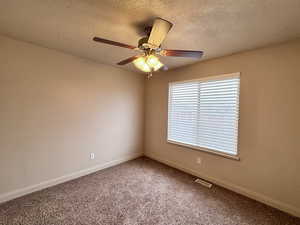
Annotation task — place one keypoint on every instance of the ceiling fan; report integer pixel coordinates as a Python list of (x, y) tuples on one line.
[(150, 48)]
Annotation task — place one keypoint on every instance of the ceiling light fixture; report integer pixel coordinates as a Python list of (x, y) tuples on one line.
[(148, 63), (141, 64), (154, 62)]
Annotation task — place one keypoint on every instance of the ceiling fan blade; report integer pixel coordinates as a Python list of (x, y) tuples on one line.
[(159, 31), (105, 41), (182, 53), (128, 60)]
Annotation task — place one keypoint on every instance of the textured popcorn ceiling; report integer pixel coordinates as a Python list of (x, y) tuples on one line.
[(219, 27)]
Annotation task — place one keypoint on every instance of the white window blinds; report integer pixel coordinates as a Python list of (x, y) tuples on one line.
[(204, 113)]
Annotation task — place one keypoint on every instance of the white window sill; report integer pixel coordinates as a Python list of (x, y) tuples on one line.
[(229, 156)]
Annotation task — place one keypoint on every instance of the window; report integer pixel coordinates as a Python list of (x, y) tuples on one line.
[(203, 114)]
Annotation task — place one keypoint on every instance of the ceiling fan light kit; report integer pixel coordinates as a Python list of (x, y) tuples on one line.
[(141, 64), (147, 63), (150, 47)]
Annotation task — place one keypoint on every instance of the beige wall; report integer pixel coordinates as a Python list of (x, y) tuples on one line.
[(55, 109), (269, 134)]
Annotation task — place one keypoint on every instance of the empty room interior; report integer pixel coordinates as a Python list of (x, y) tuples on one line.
[(149, 112)]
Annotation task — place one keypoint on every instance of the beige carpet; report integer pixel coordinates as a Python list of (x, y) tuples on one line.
[(138, 192)]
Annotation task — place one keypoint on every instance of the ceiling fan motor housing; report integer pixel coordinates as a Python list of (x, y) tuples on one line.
[(142, 43)]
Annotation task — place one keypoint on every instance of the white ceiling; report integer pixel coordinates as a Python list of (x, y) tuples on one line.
[(218, 27)]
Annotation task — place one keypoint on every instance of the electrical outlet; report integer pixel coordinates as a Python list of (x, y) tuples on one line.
[(92, 155), (199, 160), (203, 183)]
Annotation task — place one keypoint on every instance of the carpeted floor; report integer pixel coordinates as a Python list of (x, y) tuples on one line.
[(138, 192)]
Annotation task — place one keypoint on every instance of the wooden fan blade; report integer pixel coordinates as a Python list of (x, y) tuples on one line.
[(105, 41), (128, 60), (182, 53), (159, 31)]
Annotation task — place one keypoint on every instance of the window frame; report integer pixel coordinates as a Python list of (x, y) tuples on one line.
[(203, 149)]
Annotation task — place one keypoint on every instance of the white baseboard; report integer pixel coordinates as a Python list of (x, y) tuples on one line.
[(238, 189), (36, 187)]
